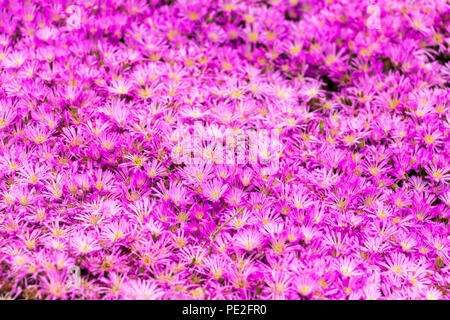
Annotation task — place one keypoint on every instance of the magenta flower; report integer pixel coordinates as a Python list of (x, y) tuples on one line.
[(227, 149)]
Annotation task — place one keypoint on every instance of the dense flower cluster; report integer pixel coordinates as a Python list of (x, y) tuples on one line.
[(128, 171)]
